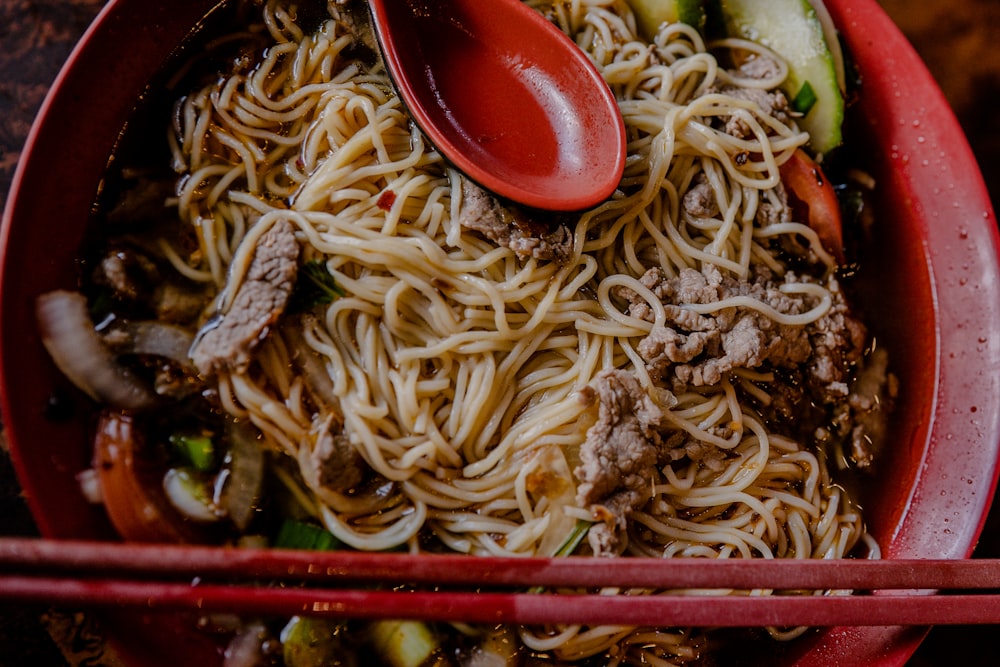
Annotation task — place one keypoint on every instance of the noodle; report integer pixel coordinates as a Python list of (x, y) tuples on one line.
[(463, 372)]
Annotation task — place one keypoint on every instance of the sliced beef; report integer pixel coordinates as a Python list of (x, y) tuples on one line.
[(512, 228), (129, 274), (340, 467), (228, 342), (619, 457)]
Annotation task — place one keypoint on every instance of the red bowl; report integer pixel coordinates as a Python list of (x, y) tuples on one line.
[(933, 297)]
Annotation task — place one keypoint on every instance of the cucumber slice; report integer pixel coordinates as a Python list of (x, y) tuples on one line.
[(651, 14), (792, 29)]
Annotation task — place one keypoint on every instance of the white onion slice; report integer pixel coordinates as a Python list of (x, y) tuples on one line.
[(159, 339), (240, 494), (184, 493), (68, 335), (246, 647)]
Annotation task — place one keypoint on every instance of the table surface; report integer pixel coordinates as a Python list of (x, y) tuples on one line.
[(955, 37)]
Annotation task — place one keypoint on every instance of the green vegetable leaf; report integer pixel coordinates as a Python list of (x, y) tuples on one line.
[(315, 287), (301, 535), (805, 99), (196, 449)]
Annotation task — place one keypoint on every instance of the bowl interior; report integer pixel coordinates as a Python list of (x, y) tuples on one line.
[(932, 293)]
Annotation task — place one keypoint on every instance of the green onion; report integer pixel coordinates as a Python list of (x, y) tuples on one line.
[(574, 539), (308, 642), (403, 643), (805, 98), (580, 531), (301, 535), (197, 450)]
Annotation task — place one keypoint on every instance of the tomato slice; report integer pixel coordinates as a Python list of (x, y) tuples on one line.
[(815, 201), (131, 486)]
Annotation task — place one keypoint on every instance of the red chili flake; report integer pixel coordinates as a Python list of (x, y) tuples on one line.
[(386, 200)]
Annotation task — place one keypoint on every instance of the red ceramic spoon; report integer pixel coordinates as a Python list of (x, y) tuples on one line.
[(506, 97)]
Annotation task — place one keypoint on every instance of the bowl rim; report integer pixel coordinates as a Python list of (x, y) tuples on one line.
[(868, 31)]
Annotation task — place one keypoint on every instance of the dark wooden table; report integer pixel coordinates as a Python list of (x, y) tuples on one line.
[(957, 38)]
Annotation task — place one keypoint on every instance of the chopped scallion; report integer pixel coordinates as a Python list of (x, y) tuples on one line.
[(301, 535), (403, 643), (580, 531), (308, 642), (805, 99), (574, 539), (197, 450)]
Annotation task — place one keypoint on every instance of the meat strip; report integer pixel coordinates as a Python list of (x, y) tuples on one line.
[(228, 342), (482, 212), (340, 467)]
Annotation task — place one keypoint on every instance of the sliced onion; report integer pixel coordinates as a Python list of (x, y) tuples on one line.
[(158, 339), (187, 495), (90, 486), (308, 363), (241, 488), (246, 649), (68, 334)]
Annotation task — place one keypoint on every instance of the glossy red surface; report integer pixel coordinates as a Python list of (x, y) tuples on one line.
[(507, 98), (934, 298)]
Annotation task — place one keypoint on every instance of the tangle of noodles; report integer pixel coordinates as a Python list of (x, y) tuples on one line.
[(459, 369)]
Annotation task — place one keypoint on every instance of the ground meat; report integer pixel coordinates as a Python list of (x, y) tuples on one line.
[(759, 67), (227, 343), (775, 211), (838, 340), (690, 349), (769, 102), (619, 457), (483, 213), (871, 398), (699, 201), (860, 423)]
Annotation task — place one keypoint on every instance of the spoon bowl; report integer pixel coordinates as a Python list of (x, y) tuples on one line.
[(505, 96)]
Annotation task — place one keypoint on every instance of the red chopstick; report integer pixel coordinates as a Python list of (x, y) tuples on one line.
[(79, 558), (356, 585), (523, 608)]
